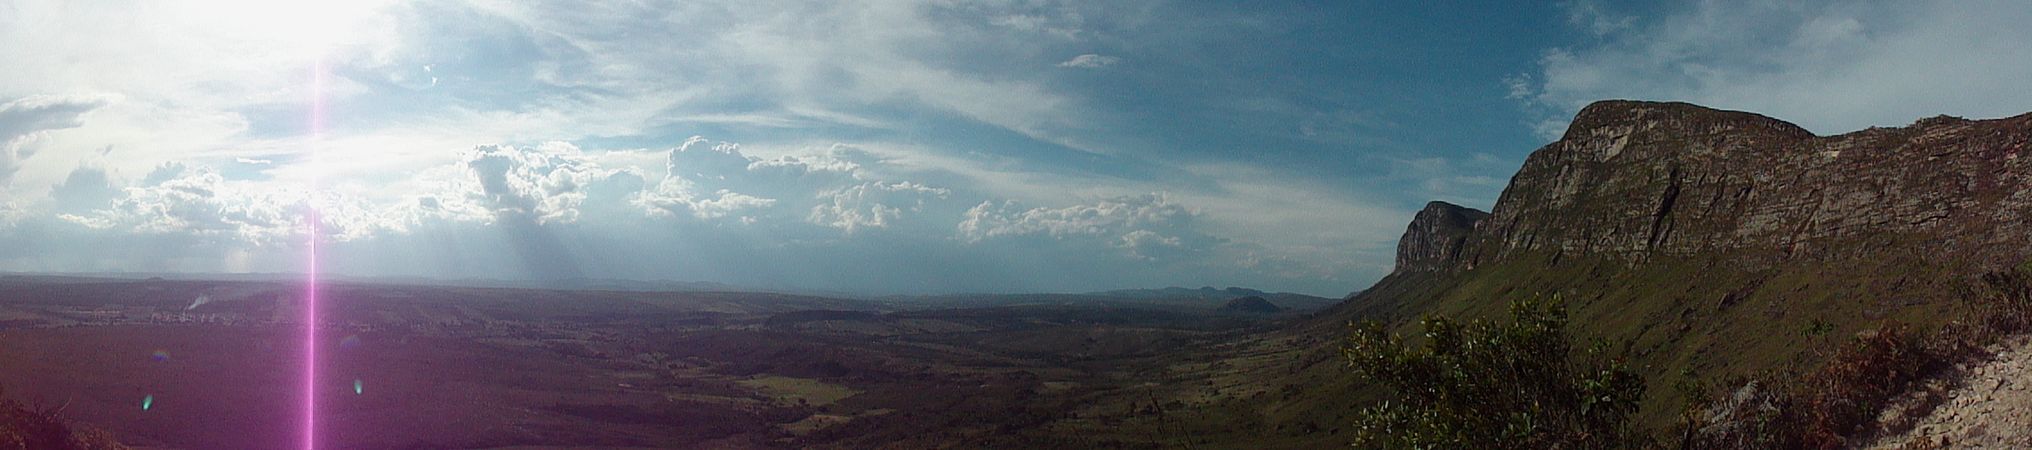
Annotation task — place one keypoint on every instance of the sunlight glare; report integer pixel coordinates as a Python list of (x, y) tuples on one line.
[(301, 27)]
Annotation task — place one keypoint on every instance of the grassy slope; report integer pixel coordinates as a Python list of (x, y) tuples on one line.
[(1708, 317), (1715, 318)]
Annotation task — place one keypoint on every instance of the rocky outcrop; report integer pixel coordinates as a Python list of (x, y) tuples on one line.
[(1987, 405), (1636, 180), (1436, 237)]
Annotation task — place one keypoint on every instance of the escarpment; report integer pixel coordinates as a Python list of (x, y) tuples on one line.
[(1637, 180)]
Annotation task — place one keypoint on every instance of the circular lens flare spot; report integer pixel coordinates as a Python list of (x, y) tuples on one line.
[(350, 342), (147, 402), (160, 355), (356, 386)]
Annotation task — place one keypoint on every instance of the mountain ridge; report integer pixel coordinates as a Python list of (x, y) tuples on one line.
[(1715, 244), (1633, 180)]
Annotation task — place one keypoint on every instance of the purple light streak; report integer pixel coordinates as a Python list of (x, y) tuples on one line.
[(310, 298)]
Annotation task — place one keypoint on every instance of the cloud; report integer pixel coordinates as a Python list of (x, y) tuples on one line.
[(525, 140), (1151, 245), (198, 202), (826, 62), (1596, 19), (1090, 61), (1109, 216), (24, 119), (1147, 227), (706, 180), (1832, 67), (696, 182), (872, 204), (85, 189), (544, 183)]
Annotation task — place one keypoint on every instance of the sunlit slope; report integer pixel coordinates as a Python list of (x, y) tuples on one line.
[(1710, 244)]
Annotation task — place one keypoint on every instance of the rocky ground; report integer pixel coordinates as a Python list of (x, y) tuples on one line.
[(1987, 405)]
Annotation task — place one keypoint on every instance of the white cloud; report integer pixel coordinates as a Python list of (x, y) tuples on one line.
[(872, 204), (678, 196), (832, 188), (1090, 61), (544, 183), (23, 120), (1596, 19), (811, 63), (1149, 245), (456, 128), (1832, 67), (87, 187), (198, 202), (1112, 217)]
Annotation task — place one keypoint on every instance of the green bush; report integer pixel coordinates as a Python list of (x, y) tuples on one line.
[(1487, 385)]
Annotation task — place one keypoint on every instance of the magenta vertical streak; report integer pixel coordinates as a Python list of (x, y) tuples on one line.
[(310, 297)]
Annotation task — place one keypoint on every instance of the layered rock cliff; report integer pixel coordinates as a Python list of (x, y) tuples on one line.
[(1635, 180)]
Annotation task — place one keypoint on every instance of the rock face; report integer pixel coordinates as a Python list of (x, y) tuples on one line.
[(1634, 180), (1251, 305), (1436, 237)]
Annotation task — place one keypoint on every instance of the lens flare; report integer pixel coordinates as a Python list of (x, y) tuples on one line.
[(147, 402), (356, 386), (160, 355), (310, 297)]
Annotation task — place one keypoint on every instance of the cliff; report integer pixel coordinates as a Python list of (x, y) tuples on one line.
[(1717, 244), (1436, 236), (1636, 180)]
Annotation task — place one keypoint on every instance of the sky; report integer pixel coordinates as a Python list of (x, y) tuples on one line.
[(890, 147)]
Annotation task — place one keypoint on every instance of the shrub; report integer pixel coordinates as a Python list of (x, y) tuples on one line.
[(1486, 385), (22, 428)]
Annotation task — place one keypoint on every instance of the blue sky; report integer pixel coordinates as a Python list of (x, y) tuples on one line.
[(880, 147)]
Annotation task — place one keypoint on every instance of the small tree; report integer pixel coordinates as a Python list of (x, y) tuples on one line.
[(1486, 385)]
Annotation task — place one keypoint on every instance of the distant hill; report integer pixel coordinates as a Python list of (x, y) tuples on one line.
[(1251, 305), (1206, 299), (1216, 297)]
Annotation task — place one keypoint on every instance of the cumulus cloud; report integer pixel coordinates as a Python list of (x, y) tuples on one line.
[(554, 211), (694, 180), (197, 201), (1832, 67), (86, 188), (1145, 226), (946, 106), (706, 180), (1090, 61), (198, 204), (543, 183), (1115, 215), (871, 204)]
